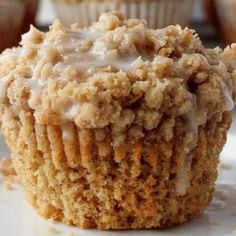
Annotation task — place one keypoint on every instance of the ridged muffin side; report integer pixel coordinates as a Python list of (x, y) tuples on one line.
[(87, 182)]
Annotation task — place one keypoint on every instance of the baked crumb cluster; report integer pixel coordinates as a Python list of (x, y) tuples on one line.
[(6, 167), (117, 70), (8, 175)]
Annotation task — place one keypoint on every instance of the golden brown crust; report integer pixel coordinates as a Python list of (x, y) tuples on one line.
[(6, 167)]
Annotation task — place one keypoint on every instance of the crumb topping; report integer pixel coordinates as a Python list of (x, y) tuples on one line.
[(117, 72), (121, 74)]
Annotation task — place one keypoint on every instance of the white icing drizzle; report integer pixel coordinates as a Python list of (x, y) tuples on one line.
[(70, 112), (67, 131), (183, 178), (90, 60), (75, 40), (88, 35), (4, 82), (96, 57), (35, 86), (84, 60), (192, 125), (229, 103)]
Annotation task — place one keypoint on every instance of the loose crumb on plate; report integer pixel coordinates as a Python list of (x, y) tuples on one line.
[(52, 230), (8, 172), (70, 234), (7, 185), (221, 166), (6, 167)]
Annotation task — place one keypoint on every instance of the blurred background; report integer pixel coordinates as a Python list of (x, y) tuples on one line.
[(214, 20)]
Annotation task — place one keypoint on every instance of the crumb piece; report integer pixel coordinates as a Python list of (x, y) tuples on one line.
[(13, 179), (221, 166), (7, 185), (52, 230), (6, 167), (8, 181), (8, 172), (70, 234)]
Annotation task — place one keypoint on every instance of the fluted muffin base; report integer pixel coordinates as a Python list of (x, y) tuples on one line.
[(85, 180)]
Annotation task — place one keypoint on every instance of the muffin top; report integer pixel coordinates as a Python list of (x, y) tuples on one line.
[(117, 72)]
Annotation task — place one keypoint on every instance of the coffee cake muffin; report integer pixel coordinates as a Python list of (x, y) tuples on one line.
[(31, 7), (117, 126), (158, 13), (226, 13), (11, 22)]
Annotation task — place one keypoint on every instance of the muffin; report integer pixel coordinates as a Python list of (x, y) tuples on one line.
[(117, 126), (158, 13), (30, 13), (226, 13), (10, 27), (210, 10)]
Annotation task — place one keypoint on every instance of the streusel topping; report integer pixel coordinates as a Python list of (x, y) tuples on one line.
[(95, 75)]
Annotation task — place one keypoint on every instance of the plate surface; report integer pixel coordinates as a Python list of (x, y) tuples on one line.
[(17, 218)]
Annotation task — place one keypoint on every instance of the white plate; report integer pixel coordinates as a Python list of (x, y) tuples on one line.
[(17, 218)]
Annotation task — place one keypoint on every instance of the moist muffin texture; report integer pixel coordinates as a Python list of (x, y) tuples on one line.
[(117, 126)]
